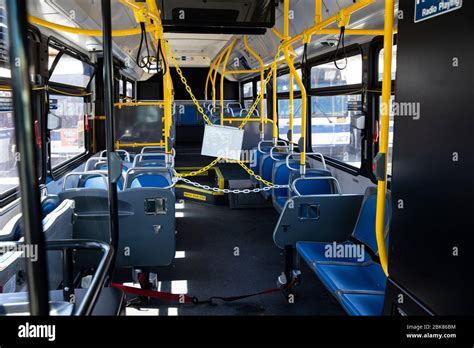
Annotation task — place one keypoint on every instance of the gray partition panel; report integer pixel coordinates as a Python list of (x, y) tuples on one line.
[(318, 218)]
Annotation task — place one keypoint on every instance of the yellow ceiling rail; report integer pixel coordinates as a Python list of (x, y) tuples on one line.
[(86, 32), (208, 78), (331, 20), (250, 71)]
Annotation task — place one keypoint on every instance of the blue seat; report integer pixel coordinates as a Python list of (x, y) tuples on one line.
[(48, 204), (313, 187), (352, 277), (364, 231), (92, 181), (150, 181), (359, 285), (148, 177), (266, 168), (368, 304), (315, 253), (255, 165), (281, 176)]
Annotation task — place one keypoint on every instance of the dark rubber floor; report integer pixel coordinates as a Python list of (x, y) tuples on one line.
[(231, 252)]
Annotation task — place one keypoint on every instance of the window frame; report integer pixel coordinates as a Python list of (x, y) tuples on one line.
[(352, 50), (65, 167), (375, 92), (35, 42)]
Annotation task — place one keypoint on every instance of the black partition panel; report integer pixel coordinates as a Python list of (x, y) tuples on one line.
[(138, 124), (432, 232)]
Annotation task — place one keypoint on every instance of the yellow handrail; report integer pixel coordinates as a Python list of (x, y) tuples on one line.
[(224, 65), (275, 109), (384, 132), (86, 32), (262, 78), (119, 105)]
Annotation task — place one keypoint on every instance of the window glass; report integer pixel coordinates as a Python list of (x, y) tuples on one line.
[(328, 75), (248, 90), (333, 127), (52, 54), (284, 119), (390, 134), (283, 83), (394, 63), (248, 103), (68, 141), (8, 159), (71, 71), (129, 91)]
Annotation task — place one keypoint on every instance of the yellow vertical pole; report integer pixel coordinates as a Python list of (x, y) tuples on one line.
[(286, 19), (275, 107), (209, 77), (214, 96), (167, 82), (292, 109), (262, 91), (318, 11), (384, 132), (224, 65)]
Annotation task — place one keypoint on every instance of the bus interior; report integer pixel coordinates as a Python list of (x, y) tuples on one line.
[(236, 157)]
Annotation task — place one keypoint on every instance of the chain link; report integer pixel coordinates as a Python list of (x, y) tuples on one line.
[(235, 191), (242, 125)]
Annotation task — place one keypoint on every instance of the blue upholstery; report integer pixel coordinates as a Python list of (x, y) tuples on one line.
[(97, 182), (315, 187), (266, 168), (151, 163), (362, 304), (94, 182), (316, 252), (48, 204), (154, 180), (281, 176), (352, 277), (344, 275)]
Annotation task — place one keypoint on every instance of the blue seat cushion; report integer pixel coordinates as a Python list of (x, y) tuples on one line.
[(150, 181), (362, 304), (317, 252), (95, 182), (352, 277), (315, 187), (281, 201), (48, 204)]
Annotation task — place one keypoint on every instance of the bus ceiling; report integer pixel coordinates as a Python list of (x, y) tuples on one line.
[(194, 38)]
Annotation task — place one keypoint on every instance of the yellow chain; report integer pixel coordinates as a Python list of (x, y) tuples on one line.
[(261, 95), (256, 176), (200, 171), (188, 88), (208, 121)]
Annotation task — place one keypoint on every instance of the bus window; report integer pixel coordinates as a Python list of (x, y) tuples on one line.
[(71, 71), (284, 119), (52, 54), (248, 90), (328, 75), (394, 63), (332, 133), (67, 142), (129, 89), (283, 83), (8, 164)]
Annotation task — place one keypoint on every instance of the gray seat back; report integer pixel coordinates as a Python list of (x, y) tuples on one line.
[(317, 218)]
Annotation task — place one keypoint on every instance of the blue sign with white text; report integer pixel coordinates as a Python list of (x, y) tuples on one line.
[(427, 9)]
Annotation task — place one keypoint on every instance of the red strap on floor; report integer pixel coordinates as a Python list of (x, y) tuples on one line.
[(167, 296)]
